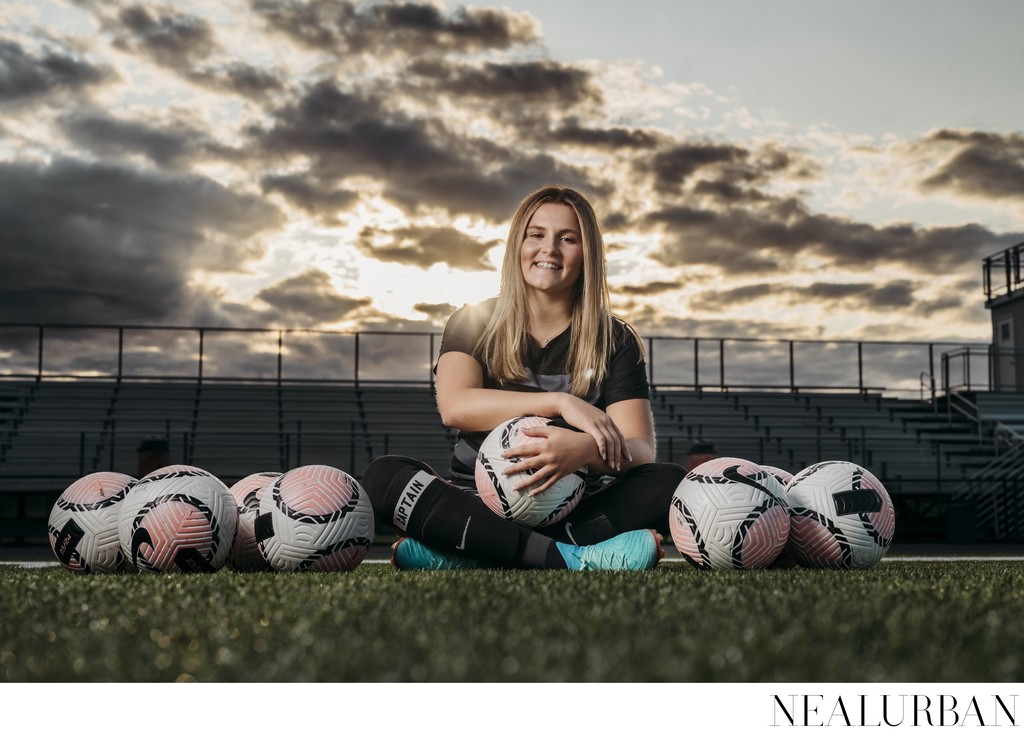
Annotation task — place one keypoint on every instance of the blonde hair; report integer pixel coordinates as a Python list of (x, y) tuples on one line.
[(503, 344)]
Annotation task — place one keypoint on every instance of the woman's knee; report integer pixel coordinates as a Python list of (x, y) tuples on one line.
[(662, 476), (380, 474)]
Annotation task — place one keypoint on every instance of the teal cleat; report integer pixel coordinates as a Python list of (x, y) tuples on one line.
[(636, 550), (411, 555)]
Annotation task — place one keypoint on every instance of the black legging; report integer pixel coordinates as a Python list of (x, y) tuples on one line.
[(411, 497)]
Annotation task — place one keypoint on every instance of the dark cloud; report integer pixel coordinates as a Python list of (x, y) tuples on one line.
[(395, 28), (99, 243), (649, 289), (971, 283), (719, 299), (574, 133), (309, 299), (340, 133), (522, 83), (171, 40), (239, 78), (490, 185), (169, 146), (653, 321), (895, 295), (695, 182), (727, 165), (725, 240), (185, 45), (614, 221), (778, 235), (419, 161), (426, 246), (671, 167), (539, 101), (984, 165), (25, 76), (952, 301), (315, 197), (727, 193), (438, 313)]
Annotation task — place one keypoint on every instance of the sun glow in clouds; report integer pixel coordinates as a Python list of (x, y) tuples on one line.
[(364, 158)]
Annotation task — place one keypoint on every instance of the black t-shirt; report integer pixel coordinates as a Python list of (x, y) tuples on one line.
[(547, 371)]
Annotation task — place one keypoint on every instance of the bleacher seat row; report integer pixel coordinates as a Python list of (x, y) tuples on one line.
[(52, 432)]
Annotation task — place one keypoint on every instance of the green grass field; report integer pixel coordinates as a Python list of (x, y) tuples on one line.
[(901, 621)]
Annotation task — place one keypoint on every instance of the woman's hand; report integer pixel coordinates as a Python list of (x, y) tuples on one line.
[(611, 443), (552, 453)]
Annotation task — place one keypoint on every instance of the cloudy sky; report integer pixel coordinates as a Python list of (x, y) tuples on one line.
[(789, 169)]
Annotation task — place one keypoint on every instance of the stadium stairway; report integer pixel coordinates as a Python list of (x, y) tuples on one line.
[(991, 497)]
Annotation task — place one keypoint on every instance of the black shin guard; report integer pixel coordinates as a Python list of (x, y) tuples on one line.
[(408, 495)]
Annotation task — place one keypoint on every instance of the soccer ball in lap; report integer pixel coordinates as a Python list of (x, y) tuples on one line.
[(178, 518), (729, 513), (83, 523), (245, 553), (315, 518), (497, 491), (842, 516)]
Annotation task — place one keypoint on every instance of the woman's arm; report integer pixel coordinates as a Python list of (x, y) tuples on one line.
[(635, 419), (465, 405), (563, 451)]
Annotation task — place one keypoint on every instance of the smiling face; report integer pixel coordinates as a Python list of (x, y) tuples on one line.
[(551, 254)]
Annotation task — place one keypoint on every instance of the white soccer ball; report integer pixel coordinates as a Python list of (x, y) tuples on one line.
[(497, 489), (314, 518), (178, 518), (245, 553), (781, 475), (842, 516), (785, 560), (83, 523), (729, 513)]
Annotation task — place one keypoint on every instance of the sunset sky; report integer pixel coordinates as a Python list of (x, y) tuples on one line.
[(789, 169)]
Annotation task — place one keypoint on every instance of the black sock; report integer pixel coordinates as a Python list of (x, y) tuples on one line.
[(409, 496)]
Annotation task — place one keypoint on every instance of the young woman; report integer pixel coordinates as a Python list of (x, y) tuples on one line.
[(548, 345)]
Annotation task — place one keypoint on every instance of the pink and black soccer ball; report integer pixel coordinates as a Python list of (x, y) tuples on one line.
[(497, 490), (314, 518), (842, 516), (245, 552), (83, 523), (785, 560), (781, 475), (178, 518), (729, 513)]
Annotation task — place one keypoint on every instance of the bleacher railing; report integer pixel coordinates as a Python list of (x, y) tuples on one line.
[(984, 368), (171, 353)]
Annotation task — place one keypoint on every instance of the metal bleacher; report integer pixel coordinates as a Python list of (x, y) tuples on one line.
[(897, 437), (920, 451), (54, 431)]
